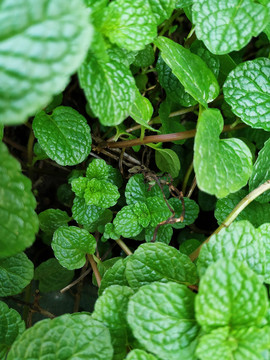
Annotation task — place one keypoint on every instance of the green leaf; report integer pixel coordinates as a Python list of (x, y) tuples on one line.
[(1, 131), (142, 111), (188, 246), (79, 185), (221, 166), (70, 336), (164, 234), (97, 169), (85, 214), (211, 60), (127, 222), (11, 327), (52, 276), (129, 24), (110, 233), (183, 3), (16, 272), (191, 71), (261, 172), (230, 294), (228, 25), (114, 276), (112, 84), (167, 161), (226, 344), (101, 193), (173, 87), (103, 266), (111, 310), (138, 354), (39, 152), (145, 57), (142, 212), (158, 209), (256, 213), (162, 318), (120, 54), (105, 217), (162, 9), (64, 135), (42, 44), (240, 241), (19, 222), (264, 231), (191, 211), (71, 244), (52, 219), (159, 262), (246, 90)]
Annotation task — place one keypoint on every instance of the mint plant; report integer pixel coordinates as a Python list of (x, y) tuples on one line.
[(134, 179)]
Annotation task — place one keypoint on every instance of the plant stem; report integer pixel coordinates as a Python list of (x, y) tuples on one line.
[(94, 268), (124, 247), (187, 175), (233, 215)]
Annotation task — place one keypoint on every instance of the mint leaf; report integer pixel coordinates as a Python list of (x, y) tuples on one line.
[(127, 223), (112, 83), (168, 331), (16, 272), (191, 71), (246, 90), (104, 218), (138, 354), (54, 135), (52, 219), (79, 185), (114, 276), (191, 211), (261, 172), (85, 214), (159, 262), (1, 131), (29, 76), (19, 222), (164, 234), (52, 276), (111, 309), (11, 327), (211, 60), (183, 3), (221, 166), (120, 54), (129, 24), (65, 337), (101, 193), (256, 213), (97, 169), (167, 161), (162, 9), (145, 57), (142, 111), (103, 266), (240, 241), (158, 209), (226, 26), (71, 244), (230, 294)]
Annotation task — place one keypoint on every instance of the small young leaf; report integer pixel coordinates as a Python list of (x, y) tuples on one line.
[(70, 336), (127, 222), (85, 214), (52, 276), (79, 185), (191, 211), (221, 166), (112, 84), (101, 193), (52, 219), (159, 262), (114, 276), (167, 161), (19, 222), (232, 295), (11, 326), (227, 25), (71, 244), (162, 318), (129, 24), (97, 169), (261, 172), (64, 135), (145, 57), (42, 44), (158, 209), (142, 110), (138, 354), (191, 71), (111, 309), (247, 91), (16, 272)]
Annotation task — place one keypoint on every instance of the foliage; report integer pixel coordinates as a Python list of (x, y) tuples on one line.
[(161, 133)]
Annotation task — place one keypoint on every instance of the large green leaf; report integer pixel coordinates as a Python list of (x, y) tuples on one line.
[(247, 91), (221, 166), (71, 244), (114, 276), (129, 24), (230, 294), (42, 43), (11, 326), (109, 87), (64, 135), (162, 318), (16, 272), (241, 241), (138, 354), (70, 336), (18, 220), (162, 9), (227, 25), (198, 80), (52, 219), (159, 262), (111, 310), (261, 172)]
